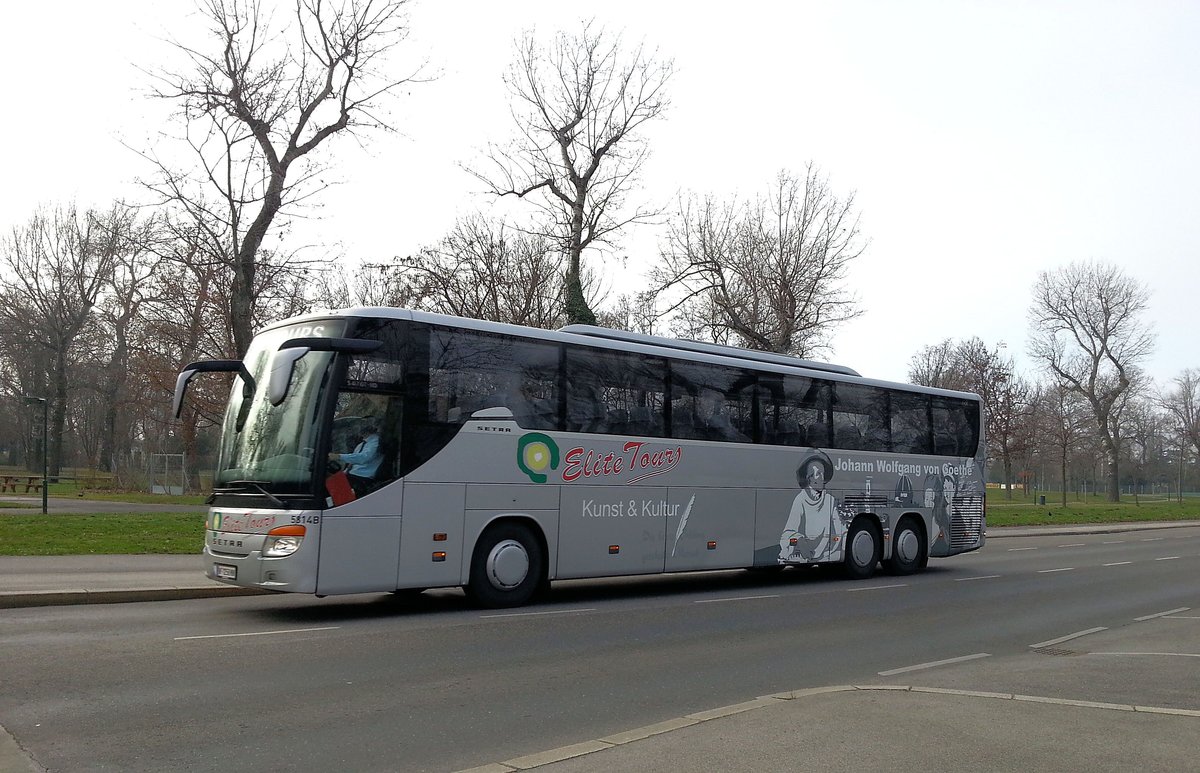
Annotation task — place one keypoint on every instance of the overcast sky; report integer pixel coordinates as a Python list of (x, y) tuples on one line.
[(985, 141)]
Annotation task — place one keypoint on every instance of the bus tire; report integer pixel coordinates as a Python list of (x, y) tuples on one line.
[(863, 549), (507, 567), (908, 550)]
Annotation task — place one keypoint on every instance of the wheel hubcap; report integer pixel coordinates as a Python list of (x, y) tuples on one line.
[(908, 547), (507, 564), (862, 549)]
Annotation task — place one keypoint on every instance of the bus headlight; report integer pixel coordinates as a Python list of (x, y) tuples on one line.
[(283, 541)]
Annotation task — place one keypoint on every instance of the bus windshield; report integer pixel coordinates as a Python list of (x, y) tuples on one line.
[(274, 446)]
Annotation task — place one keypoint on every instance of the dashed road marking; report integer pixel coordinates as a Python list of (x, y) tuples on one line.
[(1068, 637), (257, 633), (984, 577), (879, 587), (1144, 618), (533, 614), (1051, 571), (736, 598), (1120, 563), (935, 664)]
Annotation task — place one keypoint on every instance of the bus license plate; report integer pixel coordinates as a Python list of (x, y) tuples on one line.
[(225, 572)]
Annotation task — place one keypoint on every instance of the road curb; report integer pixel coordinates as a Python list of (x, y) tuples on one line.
[(994, 532), (584, 748), (76, 596)]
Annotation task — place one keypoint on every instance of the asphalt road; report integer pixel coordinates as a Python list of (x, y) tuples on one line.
[(371, 683)]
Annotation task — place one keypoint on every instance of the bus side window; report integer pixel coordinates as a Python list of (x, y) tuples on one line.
[(613, 392)]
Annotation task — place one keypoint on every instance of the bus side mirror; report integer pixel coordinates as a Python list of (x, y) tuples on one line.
[(282, 366), (291, 350), (210, 366)]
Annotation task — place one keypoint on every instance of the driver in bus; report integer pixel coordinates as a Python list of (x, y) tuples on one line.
[(364, 460)]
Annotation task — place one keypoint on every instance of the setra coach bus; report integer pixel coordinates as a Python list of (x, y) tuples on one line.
[(380, 450)]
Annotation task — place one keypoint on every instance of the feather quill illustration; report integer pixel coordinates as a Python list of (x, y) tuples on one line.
[(683, 523)]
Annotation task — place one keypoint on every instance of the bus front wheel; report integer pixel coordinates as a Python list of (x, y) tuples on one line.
[(863, 550), (507, 566)]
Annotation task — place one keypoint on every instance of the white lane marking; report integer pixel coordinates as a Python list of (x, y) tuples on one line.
[(935, 664), (1153, 539), (1068, 637), (257, 633), (984, 577), (736, 598), (1074, 545), (1051, 571), (1114, 542), (533, 614), (1120, 563), (1017, 550), (1162, 654), (1168, 558), (922, 666), (1144, 618), (879, 587)]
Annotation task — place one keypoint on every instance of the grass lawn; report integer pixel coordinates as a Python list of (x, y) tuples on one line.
[(183, 533), (101, 533), (1026, 510)]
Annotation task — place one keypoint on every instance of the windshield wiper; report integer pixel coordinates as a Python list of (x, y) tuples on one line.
[(258, 485)]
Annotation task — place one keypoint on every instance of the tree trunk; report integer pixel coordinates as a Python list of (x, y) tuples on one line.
[(58, 415), (1064, 477)]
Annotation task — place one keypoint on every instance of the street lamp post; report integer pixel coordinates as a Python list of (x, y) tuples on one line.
[(45, 448)]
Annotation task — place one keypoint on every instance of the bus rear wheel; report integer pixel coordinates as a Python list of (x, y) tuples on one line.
[(908, 550), (507, 567), (863, 550)]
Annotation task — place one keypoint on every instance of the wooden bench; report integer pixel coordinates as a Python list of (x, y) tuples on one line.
[(32, 483)]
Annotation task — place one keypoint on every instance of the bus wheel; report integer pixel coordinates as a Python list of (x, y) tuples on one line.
[(907, 550), (862, 550), (507, 567)]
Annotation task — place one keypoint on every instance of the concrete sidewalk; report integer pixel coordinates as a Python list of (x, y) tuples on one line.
[(889, 728)]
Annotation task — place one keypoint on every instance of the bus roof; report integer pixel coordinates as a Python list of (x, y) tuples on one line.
[(707, 348), (622, 340)]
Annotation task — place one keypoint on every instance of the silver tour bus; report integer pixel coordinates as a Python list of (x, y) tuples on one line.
[(378, 450)]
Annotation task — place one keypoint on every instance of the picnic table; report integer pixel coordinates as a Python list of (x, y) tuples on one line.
[(30, 482)]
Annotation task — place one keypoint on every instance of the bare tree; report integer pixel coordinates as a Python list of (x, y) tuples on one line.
[(1182, 402), (579, 102), (772, 269), (1061, 417), (136, 259), (57, 266), (255, 107), (634, 312), (1086, 329), (972, 366), (486, 270), (939, 365)]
